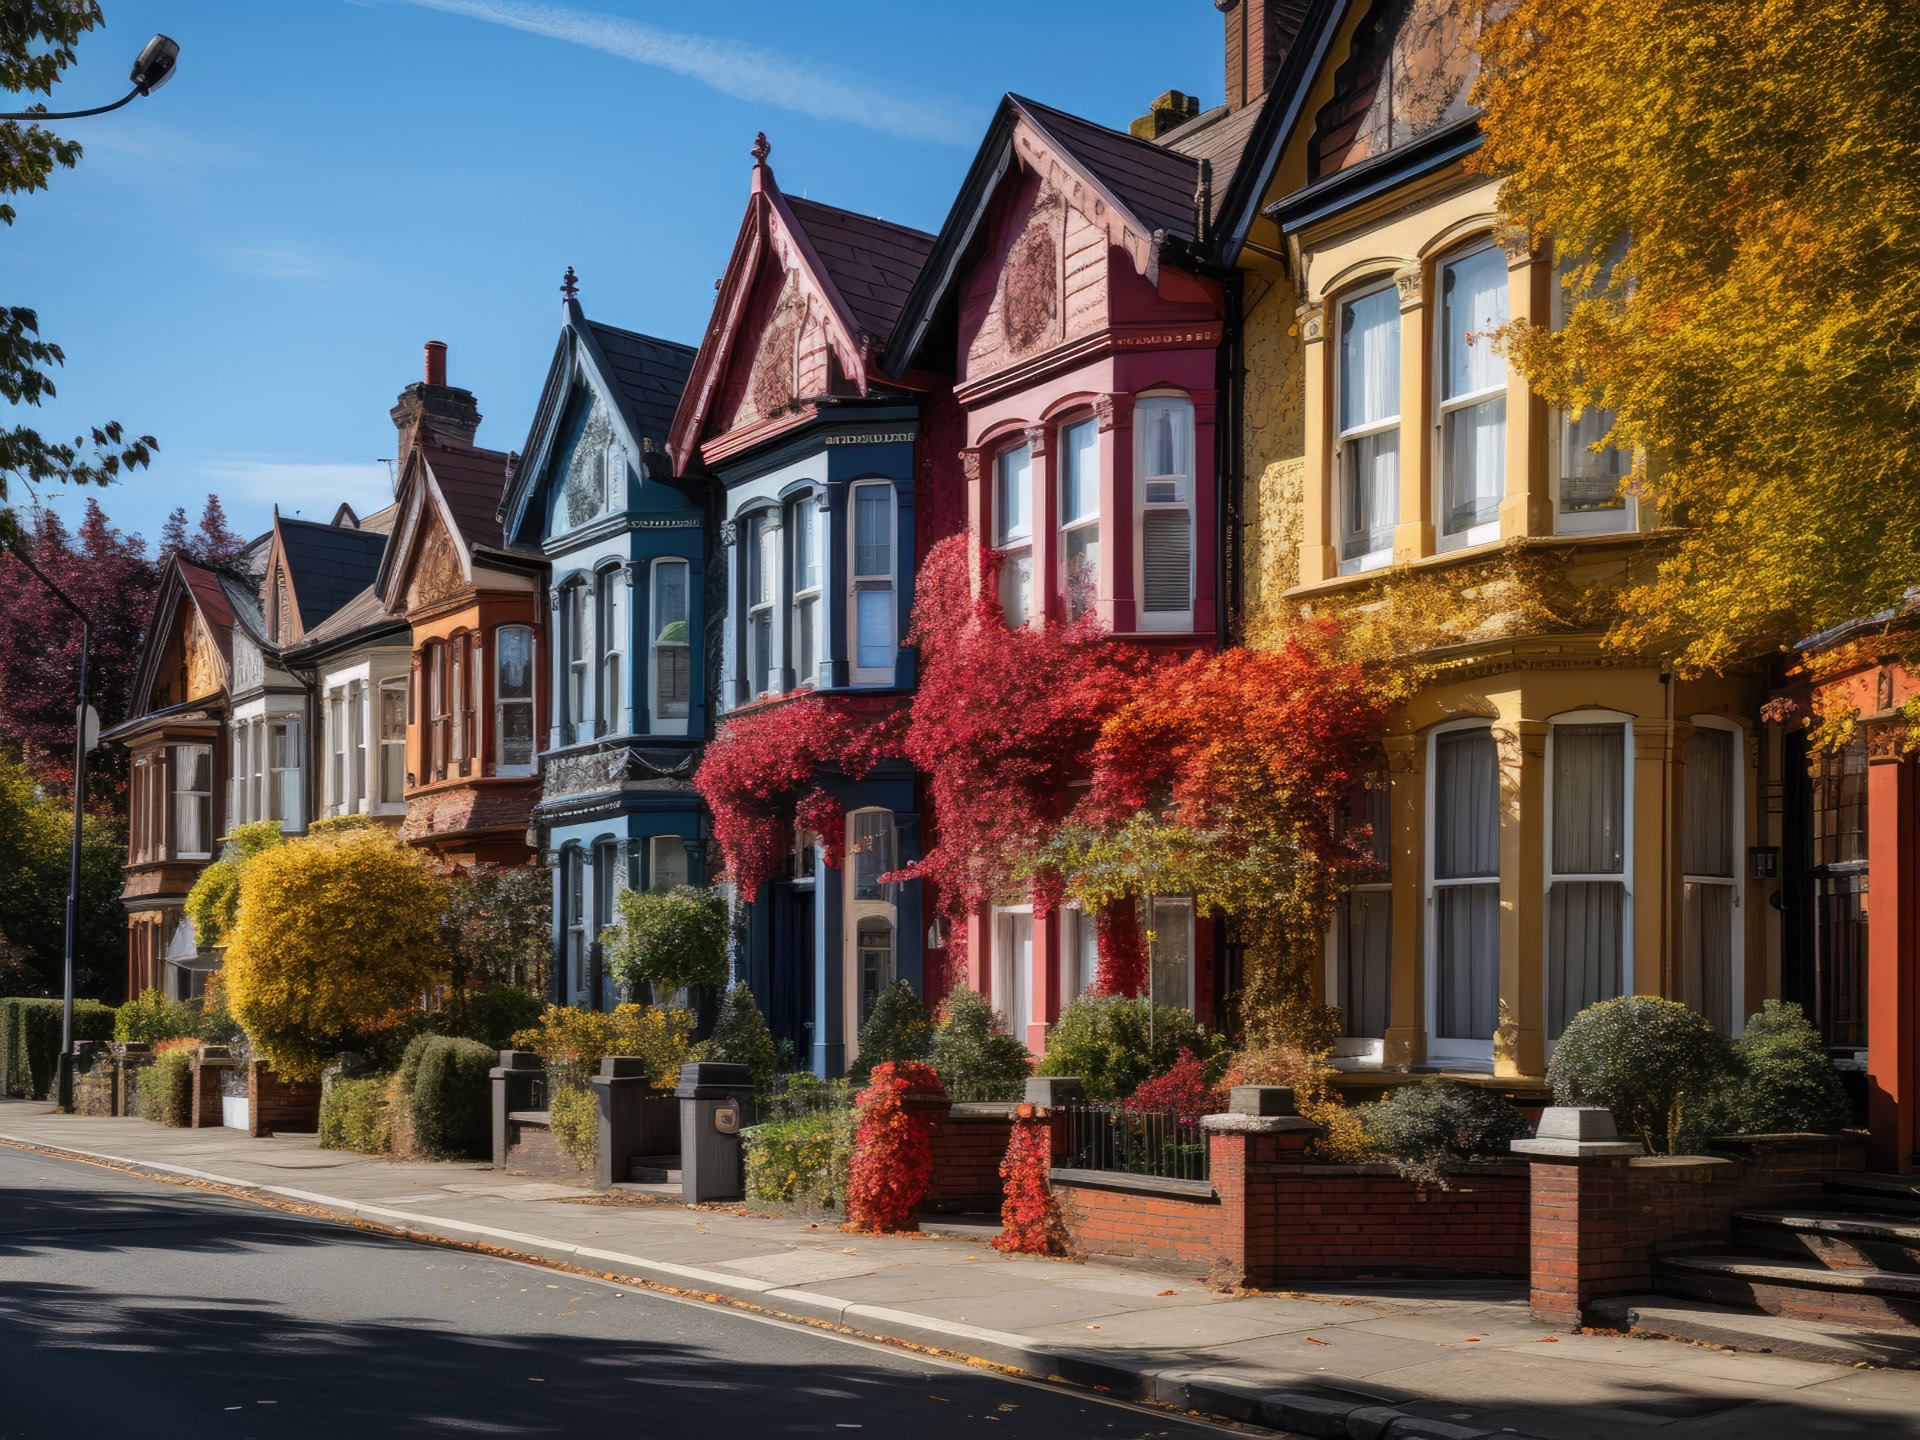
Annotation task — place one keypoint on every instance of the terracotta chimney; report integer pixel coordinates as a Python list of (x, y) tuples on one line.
[(432, 410), (1259, 34)]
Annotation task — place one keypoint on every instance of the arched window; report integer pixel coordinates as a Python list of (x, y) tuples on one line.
[(805, 618), (1473, 394), (579, 679), (611, 626), (672, 659), (1013, 532), (1367, 401), (761, 562), (439, 724), (513, 700)]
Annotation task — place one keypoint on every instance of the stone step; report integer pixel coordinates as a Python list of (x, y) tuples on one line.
[(1873, 1299), (1887, 1194), (1706, 1324), (654, 1169), (1837, 1239)]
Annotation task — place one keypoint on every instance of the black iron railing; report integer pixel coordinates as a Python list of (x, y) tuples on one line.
[(1134, 1142)]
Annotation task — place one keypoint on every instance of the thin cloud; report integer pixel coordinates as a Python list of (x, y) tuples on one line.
[(156, 154), (746, 72), (289, 261), (251, 485)]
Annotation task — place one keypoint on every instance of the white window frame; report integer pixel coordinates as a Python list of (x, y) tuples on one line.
[(1074, 922), (610, 627), (1624, 519), (575, 893), (1013, 536), (854, 910), (868, 582), (1184, 905), (1487, 531), (1147, 500), (658, 724), (292, 817), (501, 765), (1013, 971), (806, 601), (578, 660), (1089, 520), (762, 586), (661, 847), (1549, 876), (1342, 480), (396, 685), (336, 731), (1736, 882), (176, 793), (358, 798), (1455, 1050)]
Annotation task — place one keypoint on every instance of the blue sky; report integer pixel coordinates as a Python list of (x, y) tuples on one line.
[(247, 262)]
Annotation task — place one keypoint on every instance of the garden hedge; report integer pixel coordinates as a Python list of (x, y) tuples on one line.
[(30, 1042), (449, 1102)]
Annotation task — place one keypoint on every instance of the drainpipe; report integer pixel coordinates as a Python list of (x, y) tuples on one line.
[(1228, 556)]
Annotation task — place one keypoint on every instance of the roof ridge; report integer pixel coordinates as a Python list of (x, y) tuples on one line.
[(1149, 145), (856, 214), (638, 334)]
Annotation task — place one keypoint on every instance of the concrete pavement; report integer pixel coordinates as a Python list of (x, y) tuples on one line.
[(1438, 1359)]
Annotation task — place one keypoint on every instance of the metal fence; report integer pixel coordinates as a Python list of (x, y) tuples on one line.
[(1134, 1142)]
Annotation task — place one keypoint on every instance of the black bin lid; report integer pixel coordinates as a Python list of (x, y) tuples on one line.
[(714, 1080)]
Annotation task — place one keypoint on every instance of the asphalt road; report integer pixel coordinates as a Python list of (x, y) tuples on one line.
[(138, 1308)]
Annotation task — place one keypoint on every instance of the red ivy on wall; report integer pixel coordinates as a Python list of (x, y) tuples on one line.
[(892, 1149), (1002, 723), (1030, 1222), (760, 775)]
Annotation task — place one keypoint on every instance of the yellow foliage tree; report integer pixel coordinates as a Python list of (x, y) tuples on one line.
[(1735, 191), (334, 931)]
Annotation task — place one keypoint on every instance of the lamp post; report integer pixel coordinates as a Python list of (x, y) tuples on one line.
[(152, 68), (82, 746)]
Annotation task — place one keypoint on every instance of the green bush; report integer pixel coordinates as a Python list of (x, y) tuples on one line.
[(30, 1042), (976, 1057), (1113, 1043), (669, 939), (449, 1097), (898, 1029), (1654, 1063), (151, 1017), (166, 1088), (213, 904), (1782, 1080), (493, 1016), (740, 1037), (355, 1116), (574, 1114), (1429, 1128), (803, 1155)]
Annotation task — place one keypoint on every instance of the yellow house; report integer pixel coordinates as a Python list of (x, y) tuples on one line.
[(1558, 822)]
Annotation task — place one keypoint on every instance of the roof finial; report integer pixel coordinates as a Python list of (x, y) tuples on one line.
[(761, 149), (570, 286)]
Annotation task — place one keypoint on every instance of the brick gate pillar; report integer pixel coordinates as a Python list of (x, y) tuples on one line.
[(1893, 957), (1584, 1220)]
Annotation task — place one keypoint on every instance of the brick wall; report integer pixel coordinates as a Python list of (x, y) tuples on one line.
[(274, 1104), (969, 1142), (1164, 1230), (205, 1107), (1598, 1225)]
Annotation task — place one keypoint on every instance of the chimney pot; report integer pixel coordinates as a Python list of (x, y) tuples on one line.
[(436, 362)]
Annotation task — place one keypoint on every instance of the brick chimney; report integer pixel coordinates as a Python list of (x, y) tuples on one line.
[(1171, 109), (432, 410), (1259, 33)]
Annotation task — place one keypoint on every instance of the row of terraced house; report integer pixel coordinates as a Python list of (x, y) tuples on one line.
[(1187, 373)]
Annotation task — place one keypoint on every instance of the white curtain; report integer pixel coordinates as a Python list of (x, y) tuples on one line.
[(1585, 931), (1015, 501), (1466, 830), (1367, 955), (1475, 439), (1706, 950), (1166, 438), (1584, 947), (1372, 474), (1706, 810), (1369, 395)]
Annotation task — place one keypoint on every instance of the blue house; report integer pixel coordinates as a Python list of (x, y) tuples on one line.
[(815, 456), (624, 642)]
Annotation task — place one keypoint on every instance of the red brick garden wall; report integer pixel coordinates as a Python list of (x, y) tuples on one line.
[(1167, 1231), (968, 1146), (274, 1104)]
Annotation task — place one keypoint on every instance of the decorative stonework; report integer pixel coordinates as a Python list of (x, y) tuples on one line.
[(436, 570), (1030, 282), (1312, 322), (203, 660), (585, 486), (1407, 282), (596, 771)]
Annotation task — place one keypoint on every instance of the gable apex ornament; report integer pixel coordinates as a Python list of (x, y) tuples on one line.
[(570, 285), (761, 149)]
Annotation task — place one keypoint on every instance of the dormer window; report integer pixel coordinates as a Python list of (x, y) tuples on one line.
[(1163, 425), (876, 642)]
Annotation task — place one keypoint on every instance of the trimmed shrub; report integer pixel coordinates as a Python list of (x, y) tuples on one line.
[(449, 1103), (213, 904), (494, 1015), (740, 1037), (571, 1043), (1113, 1043), (1439, 1125), (574, 1114), (892, 1149), (355, 1116), (30, 1042), (897, 1030), (151, 1017), (1782, 1081), (976, 1058), (1654, 1063), (166, 1085), (669, 939)]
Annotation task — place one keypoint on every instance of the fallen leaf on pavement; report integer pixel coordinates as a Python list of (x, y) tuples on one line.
[(1166, 1292), (1316, 1340), (1548, 1340)]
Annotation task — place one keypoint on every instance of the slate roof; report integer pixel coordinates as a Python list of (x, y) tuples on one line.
[(365, 612), (650, 373), (872, 263), (1219, 136), (471, 481), (327, 565), (1155, 183)]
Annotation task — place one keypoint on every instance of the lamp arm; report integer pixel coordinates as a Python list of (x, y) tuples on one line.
[(37, 115)]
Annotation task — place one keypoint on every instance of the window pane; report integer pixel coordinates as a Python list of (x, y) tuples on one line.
[(1706, 810), (806, 622), (1583, 947), (1706, 950), (1016, 587), (673, 678), (1370, 359), (669, 862), (768, 572), (875, 942), (806, 555), (1080, 962), (670, 601), (1589, 799), (1080, 568), (1474, 288), (760, 643), (1015, 494), (872, 846), (1366, 961), (1591, 478), (874, 630), (1467, 961), (1166, 539), (1166, 437), (516, 733), (578, 622), (1080, 472), (1475, 444), (1370, 472), (513, 653), (873, 530), (1171, 957), (1466, 799)]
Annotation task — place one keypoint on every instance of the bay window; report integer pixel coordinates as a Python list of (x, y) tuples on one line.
[(457, 700), (672, 687), (1588, 849), (1368, 385), (876, 643), (607, 884), (1013, 532), (1591, 496), (433, 661), (284, 789), (666, 862), (763, 569), (1013, 968), (1080, 517), (191, 769), (806, 592), (336, 732), (610, 625), (579, 665), (1164, 474), (512, 700), (357, 745), (237, 813), (1364, 927), (1710, 884), (1473, 395), (573, 920), (1463, 893), (393, 742)]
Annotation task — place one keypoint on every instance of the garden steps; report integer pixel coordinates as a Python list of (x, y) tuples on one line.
[(1878, 1194), (1838, 1239), (1797, 1290), (654, 1170), (1699, 1322)]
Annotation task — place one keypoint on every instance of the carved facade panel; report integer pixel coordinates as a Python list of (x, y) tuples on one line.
[(249, 665), (436, 569), (203, 660), (585, 487)]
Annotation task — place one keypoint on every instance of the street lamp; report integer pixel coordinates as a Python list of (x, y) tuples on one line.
[(86, 727), (152, 68)]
